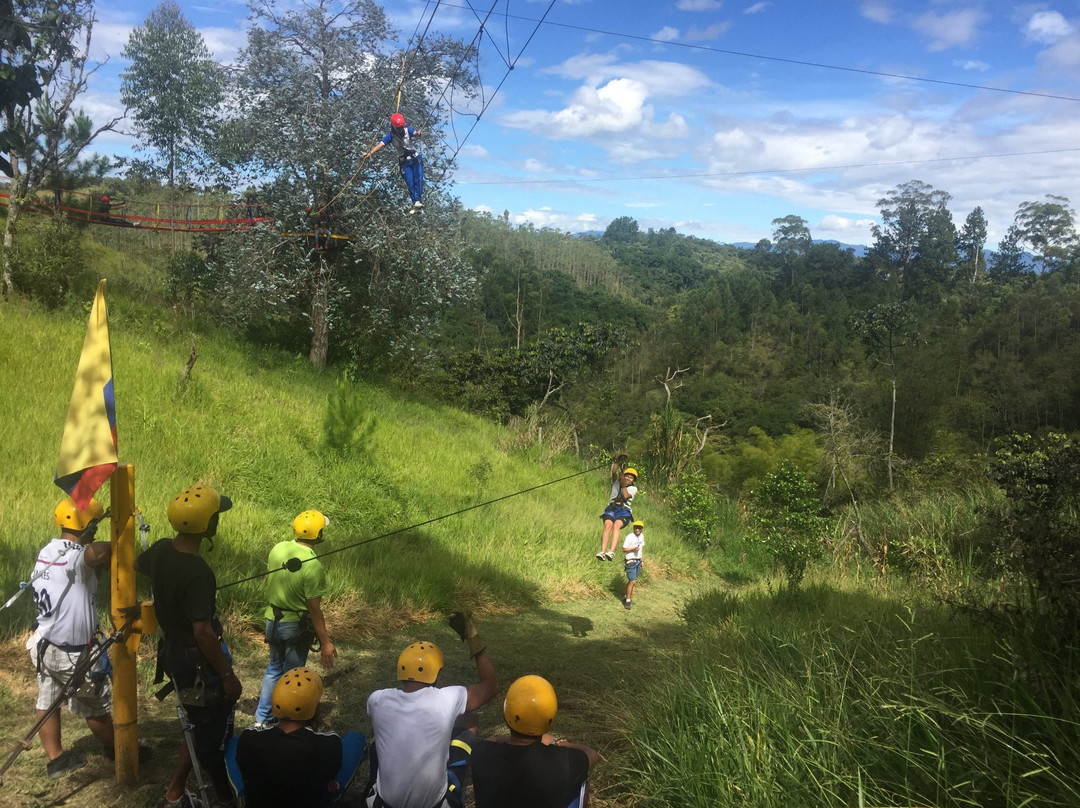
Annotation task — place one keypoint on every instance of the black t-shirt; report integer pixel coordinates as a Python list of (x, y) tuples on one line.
[(287, 768), (533, 776), (184, 589)]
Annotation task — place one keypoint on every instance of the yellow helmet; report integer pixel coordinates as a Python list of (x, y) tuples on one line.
[(638, 523), (530, 705), (191, 509), (630, 470), (296, 694), (309, 525), (420, 662), (67, 515)]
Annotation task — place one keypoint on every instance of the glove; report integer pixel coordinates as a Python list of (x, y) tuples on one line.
[(621, 456), (462, 623)]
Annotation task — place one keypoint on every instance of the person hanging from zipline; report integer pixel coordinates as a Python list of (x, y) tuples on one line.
[(617, 514), (403, 138)]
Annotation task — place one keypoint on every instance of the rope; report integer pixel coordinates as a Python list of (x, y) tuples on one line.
[(506, 75), (401, 86), (297, 562)]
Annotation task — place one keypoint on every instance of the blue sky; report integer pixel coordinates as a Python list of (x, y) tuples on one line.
[(717, 117)]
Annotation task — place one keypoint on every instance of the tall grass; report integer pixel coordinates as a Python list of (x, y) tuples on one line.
[(835, 698), (251, 423)]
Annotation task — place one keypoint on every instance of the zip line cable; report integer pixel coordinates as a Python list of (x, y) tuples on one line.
[(401, 85), (450, 83), (774, 170), (799, 62), (293, 565), (506, 75)]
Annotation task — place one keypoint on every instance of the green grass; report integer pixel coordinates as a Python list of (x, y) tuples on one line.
[(250, 423), (836, 697)]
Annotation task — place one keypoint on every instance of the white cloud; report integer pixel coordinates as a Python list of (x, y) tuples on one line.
[(548, 217), (972, 64), (223, 43), (615, 99), (889, 132), (705, 34), (757, 8), (536, 167), (954, 29), (1063, 56), (877, 11), (699, 5), (842, 228), (1047, 27), (666, 34), (666, 79), (474, 151)]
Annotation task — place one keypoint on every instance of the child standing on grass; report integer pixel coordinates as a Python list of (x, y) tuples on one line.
[(631, 548)]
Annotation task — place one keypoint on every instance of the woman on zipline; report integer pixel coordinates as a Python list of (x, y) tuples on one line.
[(412, 168)]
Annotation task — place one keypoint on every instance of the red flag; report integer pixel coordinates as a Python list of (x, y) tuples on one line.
[(88, 448)]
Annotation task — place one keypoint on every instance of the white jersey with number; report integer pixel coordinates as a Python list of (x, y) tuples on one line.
[(65, 591)]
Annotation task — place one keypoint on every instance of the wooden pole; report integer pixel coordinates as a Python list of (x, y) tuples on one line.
[(123, 654)]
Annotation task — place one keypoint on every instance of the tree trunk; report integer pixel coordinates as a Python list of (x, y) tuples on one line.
[(319, 306), (892, 430), (15, 204)]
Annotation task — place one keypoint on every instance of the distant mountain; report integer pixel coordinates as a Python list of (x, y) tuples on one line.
[(859, 249)]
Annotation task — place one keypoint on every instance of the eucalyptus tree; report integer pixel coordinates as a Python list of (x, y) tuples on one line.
[(1048, 229), (791, 238), (971, 241), (908, 213), (310, 93), (45, 69), (887, 328), (173, 88)]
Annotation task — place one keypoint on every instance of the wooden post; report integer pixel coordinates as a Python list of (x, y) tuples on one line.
[(123, 654)]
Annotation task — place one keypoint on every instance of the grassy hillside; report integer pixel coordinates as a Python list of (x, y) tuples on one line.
[(251, 424)]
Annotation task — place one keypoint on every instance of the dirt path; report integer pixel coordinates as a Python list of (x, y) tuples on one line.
[(595, 654)]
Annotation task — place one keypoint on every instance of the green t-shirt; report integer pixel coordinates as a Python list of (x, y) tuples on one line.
[(290, 591)]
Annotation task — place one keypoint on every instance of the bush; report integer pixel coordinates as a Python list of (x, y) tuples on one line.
[(693, 509), (1039, 530), (347, 425), (46, 259), (786, 510)]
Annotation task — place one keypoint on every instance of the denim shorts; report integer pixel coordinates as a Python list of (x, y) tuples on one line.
[(618, 513), (633, 570)]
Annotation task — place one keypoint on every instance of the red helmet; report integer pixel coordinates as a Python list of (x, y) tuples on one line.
[(397, 120), (104, 199)]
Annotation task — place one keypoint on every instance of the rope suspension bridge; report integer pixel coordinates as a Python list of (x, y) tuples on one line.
[(185, 217)]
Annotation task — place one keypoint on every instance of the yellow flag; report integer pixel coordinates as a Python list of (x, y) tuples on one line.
[(88, 448)]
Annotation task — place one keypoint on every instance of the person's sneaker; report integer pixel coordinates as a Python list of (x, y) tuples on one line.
[(599, 556), (187, 800), (67, 762), (609, 556), (417, 205), (264, 724), (627, 604)]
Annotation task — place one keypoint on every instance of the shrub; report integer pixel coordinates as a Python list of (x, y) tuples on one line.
[(786, 510), (45, 260), (693, 508), (1039, 530), (348, 424)]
